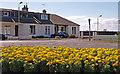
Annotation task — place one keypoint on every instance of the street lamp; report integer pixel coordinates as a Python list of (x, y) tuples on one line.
[(98, 22), (19, 12), (89, 29)]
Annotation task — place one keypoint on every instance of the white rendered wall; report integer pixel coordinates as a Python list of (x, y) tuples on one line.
[(12, 28), (39, 29)]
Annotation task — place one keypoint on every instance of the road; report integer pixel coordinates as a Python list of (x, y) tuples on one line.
[(62, 42)]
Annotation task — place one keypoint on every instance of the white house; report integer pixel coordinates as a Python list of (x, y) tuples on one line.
[(31, 23)]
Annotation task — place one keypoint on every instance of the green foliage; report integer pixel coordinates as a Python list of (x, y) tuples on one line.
[(57, 37)]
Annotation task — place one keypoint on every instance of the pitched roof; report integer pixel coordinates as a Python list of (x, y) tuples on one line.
[(55, 19), (22, 20)]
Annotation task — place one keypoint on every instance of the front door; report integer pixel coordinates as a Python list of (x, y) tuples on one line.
[(16, 30)]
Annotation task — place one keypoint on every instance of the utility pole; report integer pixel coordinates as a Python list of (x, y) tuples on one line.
[(89, 29), (19, 12), (98, 22)]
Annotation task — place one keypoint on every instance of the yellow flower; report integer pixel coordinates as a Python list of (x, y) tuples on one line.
[(86, 61), (71, 61), (67, 66), (92, 60), (99, 61), (107, 62), (21, 60), (34, 60), (30, 63), (25, 61), (78, 62), (96, 64), (115, 69), (93, 65), (10, 62), (39, 61), (66, 60)]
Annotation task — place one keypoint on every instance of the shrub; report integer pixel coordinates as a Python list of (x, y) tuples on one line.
[(57, 37), (72, 36)]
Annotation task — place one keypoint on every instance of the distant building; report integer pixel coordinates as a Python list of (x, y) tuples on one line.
[(34, 23)]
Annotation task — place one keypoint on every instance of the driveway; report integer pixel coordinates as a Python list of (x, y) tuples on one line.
[(62, 42)]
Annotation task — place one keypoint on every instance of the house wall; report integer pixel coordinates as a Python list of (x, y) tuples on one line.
[(12, 28), (23, 30), (39, 29)]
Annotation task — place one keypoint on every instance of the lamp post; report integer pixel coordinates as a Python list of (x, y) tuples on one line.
[(89, 29), (98, 22), (19, 12)]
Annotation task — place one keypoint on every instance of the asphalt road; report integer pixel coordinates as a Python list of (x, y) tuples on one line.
[(62, 42)]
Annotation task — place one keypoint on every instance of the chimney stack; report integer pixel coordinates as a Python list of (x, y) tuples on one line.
[(25, 8)]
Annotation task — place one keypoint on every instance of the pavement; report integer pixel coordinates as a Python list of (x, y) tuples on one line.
[(75, 42)]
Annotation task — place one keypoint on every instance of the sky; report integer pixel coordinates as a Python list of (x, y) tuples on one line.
[(78, 12)]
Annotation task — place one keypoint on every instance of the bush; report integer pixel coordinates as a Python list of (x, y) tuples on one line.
[(72, 36), (57, 37)]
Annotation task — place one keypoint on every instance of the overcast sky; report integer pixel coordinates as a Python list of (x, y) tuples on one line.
[(77, 11)]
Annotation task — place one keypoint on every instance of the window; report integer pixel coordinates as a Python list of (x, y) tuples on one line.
[(73, 30), (62, 29), (5, 13), (47, 30), (32, 29), (44, 17), (23, 15), (12, 14), (7, 29)]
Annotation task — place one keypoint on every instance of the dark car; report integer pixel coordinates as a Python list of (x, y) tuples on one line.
[(2, 37), (61, 34)]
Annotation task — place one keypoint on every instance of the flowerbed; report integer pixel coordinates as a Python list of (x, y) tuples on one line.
[(59, 59)]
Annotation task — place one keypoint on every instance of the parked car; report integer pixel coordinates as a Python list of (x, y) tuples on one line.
[(61, 34), (6, 35), (2, 37)]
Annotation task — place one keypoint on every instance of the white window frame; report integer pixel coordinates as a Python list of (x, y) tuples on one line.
[(7, 29), (73, 30), (44, 17), (47, 30), (4, 13)]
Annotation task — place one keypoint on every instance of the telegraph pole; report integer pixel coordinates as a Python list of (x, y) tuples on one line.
[(19, 12), (89, 29)]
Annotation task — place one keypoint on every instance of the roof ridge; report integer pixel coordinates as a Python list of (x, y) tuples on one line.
[(65, 19)]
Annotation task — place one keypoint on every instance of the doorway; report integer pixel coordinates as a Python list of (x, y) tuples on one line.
[(16, 30)]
